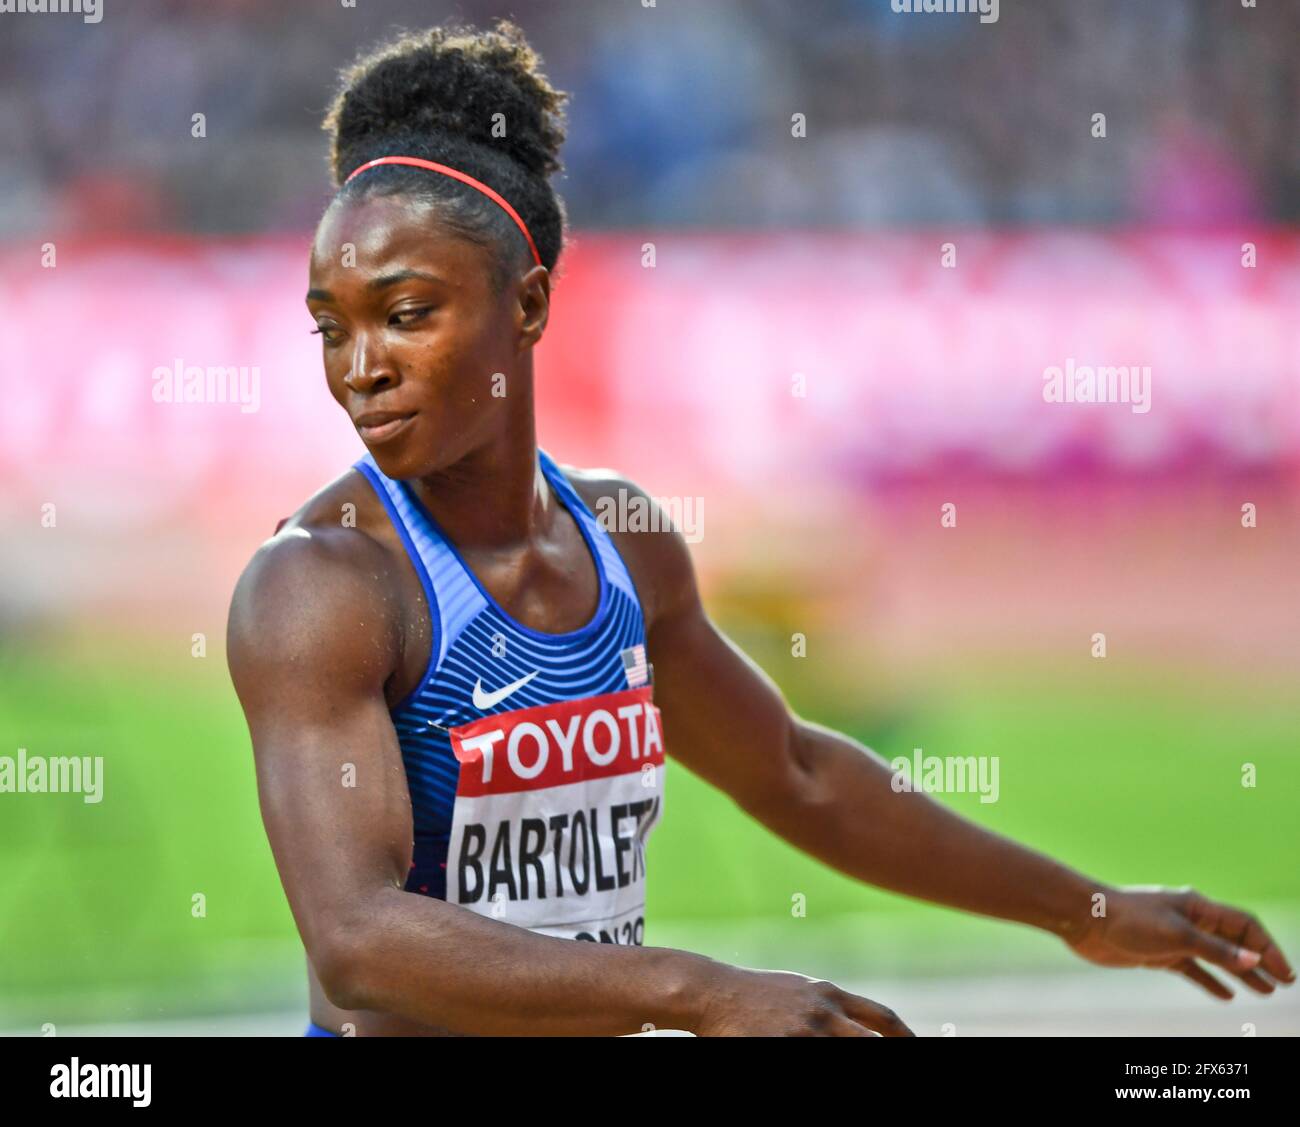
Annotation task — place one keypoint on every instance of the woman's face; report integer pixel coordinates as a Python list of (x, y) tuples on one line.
[(418, 350)]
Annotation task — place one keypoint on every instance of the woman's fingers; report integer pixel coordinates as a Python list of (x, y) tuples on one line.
[(1191, 969), (1259, 983), (841, 1026), (873, 1015), (1244, 930), (1219, 951)]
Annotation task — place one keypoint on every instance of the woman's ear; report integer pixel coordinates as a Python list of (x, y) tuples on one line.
[(534, 297)]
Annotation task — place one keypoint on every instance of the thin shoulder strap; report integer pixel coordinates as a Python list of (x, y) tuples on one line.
[(454, 598), (616, 572)]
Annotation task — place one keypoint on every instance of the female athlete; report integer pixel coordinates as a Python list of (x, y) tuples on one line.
[(453, 673)]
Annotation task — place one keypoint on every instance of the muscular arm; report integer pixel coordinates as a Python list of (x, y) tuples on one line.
[(832, 797), (824, 792), (312, 641)]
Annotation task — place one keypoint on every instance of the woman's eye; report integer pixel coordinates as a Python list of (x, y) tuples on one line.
[(326, 332), (406, 316)]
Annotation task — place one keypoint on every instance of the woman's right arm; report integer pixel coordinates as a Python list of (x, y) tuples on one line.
[(313, 637)]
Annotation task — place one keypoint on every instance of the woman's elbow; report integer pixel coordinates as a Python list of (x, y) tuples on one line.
[(342, 961)]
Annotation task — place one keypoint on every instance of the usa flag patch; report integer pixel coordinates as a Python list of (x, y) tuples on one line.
[(634, 665)]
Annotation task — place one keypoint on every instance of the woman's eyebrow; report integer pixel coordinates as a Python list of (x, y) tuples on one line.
[(386, 280), (383, 282)]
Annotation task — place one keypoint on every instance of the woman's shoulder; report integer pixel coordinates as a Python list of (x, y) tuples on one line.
[(652, 546), (331, 558), (347, 501)]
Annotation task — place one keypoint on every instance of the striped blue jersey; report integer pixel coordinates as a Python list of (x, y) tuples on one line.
[(534, 761)]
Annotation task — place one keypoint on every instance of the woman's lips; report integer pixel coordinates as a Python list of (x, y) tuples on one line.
[(381, 429)]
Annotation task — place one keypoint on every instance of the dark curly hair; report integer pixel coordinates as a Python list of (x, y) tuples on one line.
[(441, 95)]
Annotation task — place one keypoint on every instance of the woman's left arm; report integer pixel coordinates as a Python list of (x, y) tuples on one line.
[(834, 799)]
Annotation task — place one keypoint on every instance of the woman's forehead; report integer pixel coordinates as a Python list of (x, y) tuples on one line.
[(370, 232)]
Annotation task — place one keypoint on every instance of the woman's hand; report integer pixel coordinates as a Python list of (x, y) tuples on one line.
[(1173, 928), (770, 1003)]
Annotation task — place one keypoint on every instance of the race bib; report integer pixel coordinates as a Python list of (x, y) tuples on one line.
[(553, 809)]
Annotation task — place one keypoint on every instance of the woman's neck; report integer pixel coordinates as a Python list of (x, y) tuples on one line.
[(496, 495)]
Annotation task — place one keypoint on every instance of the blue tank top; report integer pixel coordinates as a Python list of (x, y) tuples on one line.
[(534, 761)]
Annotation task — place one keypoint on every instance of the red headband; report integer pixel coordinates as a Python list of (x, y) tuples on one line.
[(464, 178)]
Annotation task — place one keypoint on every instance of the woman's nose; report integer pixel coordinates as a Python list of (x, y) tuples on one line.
[(371, 366)]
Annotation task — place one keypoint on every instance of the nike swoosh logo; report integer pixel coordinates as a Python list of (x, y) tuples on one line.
[(483, 701)]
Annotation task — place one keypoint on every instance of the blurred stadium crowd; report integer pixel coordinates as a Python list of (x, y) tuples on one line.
[(681, 113)]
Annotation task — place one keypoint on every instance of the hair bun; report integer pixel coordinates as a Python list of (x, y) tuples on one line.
[(482, 87)]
